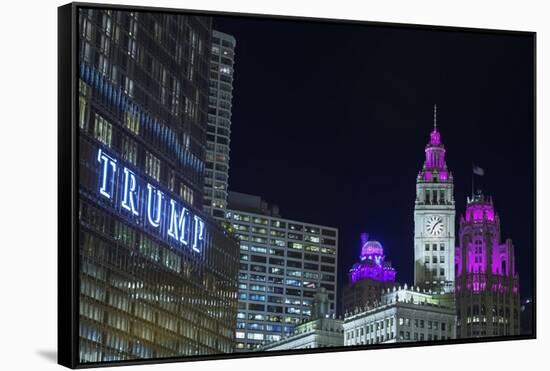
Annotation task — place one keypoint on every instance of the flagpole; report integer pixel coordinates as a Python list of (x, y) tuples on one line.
[(472, 181)]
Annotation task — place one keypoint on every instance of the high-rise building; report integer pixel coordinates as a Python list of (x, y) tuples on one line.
[(219, 124), (283, 263), (368, 277), (157, 278), (321, 331), (404, 314), (487, 284), (434, 220)]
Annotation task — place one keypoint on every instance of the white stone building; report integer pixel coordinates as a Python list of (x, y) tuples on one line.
[(403, 315), (319, 333), (323, 331), (434, 220)]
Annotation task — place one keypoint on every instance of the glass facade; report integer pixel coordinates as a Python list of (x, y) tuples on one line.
[(219, 124), (158, 278), (283, 264)]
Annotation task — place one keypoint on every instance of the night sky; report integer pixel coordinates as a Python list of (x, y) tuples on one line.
[(330, 122)]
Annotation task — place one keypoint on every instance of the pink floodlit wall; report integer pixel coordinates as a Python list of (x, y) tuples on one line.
[(477, 212), (372, 264), (480, 232)]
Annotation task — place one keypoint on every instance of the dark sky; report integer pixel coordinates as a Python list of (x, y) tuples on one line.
[(330, 122)]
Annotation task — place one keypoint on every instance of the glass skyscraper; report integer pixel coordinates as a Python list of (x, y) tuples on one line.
[(158, 278)]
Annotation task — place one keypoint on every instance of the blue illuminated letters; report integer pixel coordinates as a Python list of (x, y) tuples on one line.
[(107, 173), (171, 219), (180, 223), (129, 195), (198, 236), (154, 205)]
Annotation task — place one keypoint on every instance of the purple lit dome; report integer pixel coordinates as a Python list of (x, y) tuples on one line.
[(372, 248)]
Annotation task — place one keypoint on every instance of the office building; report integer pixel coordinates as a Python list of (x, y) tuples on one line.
[(403, 315), (283, 263), (321, 331), (157, 278), (220, 93), (368, 277), (487, 284)]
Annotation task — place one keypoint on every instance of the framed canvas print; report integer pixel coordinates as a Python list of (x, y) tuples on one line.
[(237, 185)]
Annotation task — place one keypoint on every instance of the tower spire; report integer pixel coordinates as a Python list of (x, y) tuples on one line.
[(435, 117)]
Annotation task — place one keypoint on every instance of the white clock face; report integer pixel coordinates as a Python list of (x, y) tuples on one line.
[(434, 225)]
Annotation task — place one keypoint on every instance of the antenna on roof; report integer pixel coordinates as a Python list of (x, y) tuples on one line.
[(435, 116)]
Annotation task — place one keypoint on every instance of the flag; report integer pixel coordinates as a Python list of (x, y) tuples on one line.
[(478, 171)]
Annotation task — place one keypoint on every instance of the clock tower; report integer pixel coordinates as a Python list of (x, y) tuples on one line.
[(434, 220)]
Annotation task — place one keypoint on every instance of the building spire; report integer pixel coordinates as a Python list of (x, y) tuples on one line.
[(435, 117)]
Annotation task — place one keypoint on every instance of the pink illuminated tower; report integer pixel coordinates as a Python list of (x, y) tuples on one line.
[(368, 277), (487, 285), (434, 219)]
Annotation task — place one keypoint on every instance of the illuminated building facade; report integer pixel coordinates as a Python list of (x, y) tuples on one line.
[(403, 315), (321, 331), (216, 176), (282, 265), (368, 277), (434, 220), (157, 277), (487, 285)]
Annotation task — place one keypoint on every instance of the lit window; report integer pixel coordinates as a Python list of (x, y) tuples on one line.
[(152, 166), (103, 130), (129, 150)]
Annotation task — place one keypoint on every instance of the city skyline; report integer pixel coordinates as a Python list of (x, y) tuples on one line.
[(346, 116), (306, 194)]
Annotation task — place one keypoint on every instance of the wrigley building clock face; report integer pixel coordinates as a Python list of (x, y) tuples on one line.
[(434, 226)]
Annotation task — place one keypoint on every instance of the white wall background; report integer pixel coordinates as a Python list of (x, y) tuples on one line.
[(28, 181)]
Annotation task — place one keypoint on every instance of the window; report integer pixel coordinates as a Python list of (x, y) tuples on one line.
[(103, 130), (132, 121), (441, 271), (187, 193), (295, 255), (434, 247), (427, 197), (427, 247), (442, 259), (129, 87), (442, 247), (315, 239), (434, 259), (152, 166), (278, 224), (129, 150), (83, 107), (442, 197), (258, 259)]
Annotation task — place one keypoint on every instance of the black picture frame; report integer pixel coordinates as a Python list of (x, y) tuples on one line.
[(68, 178)]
